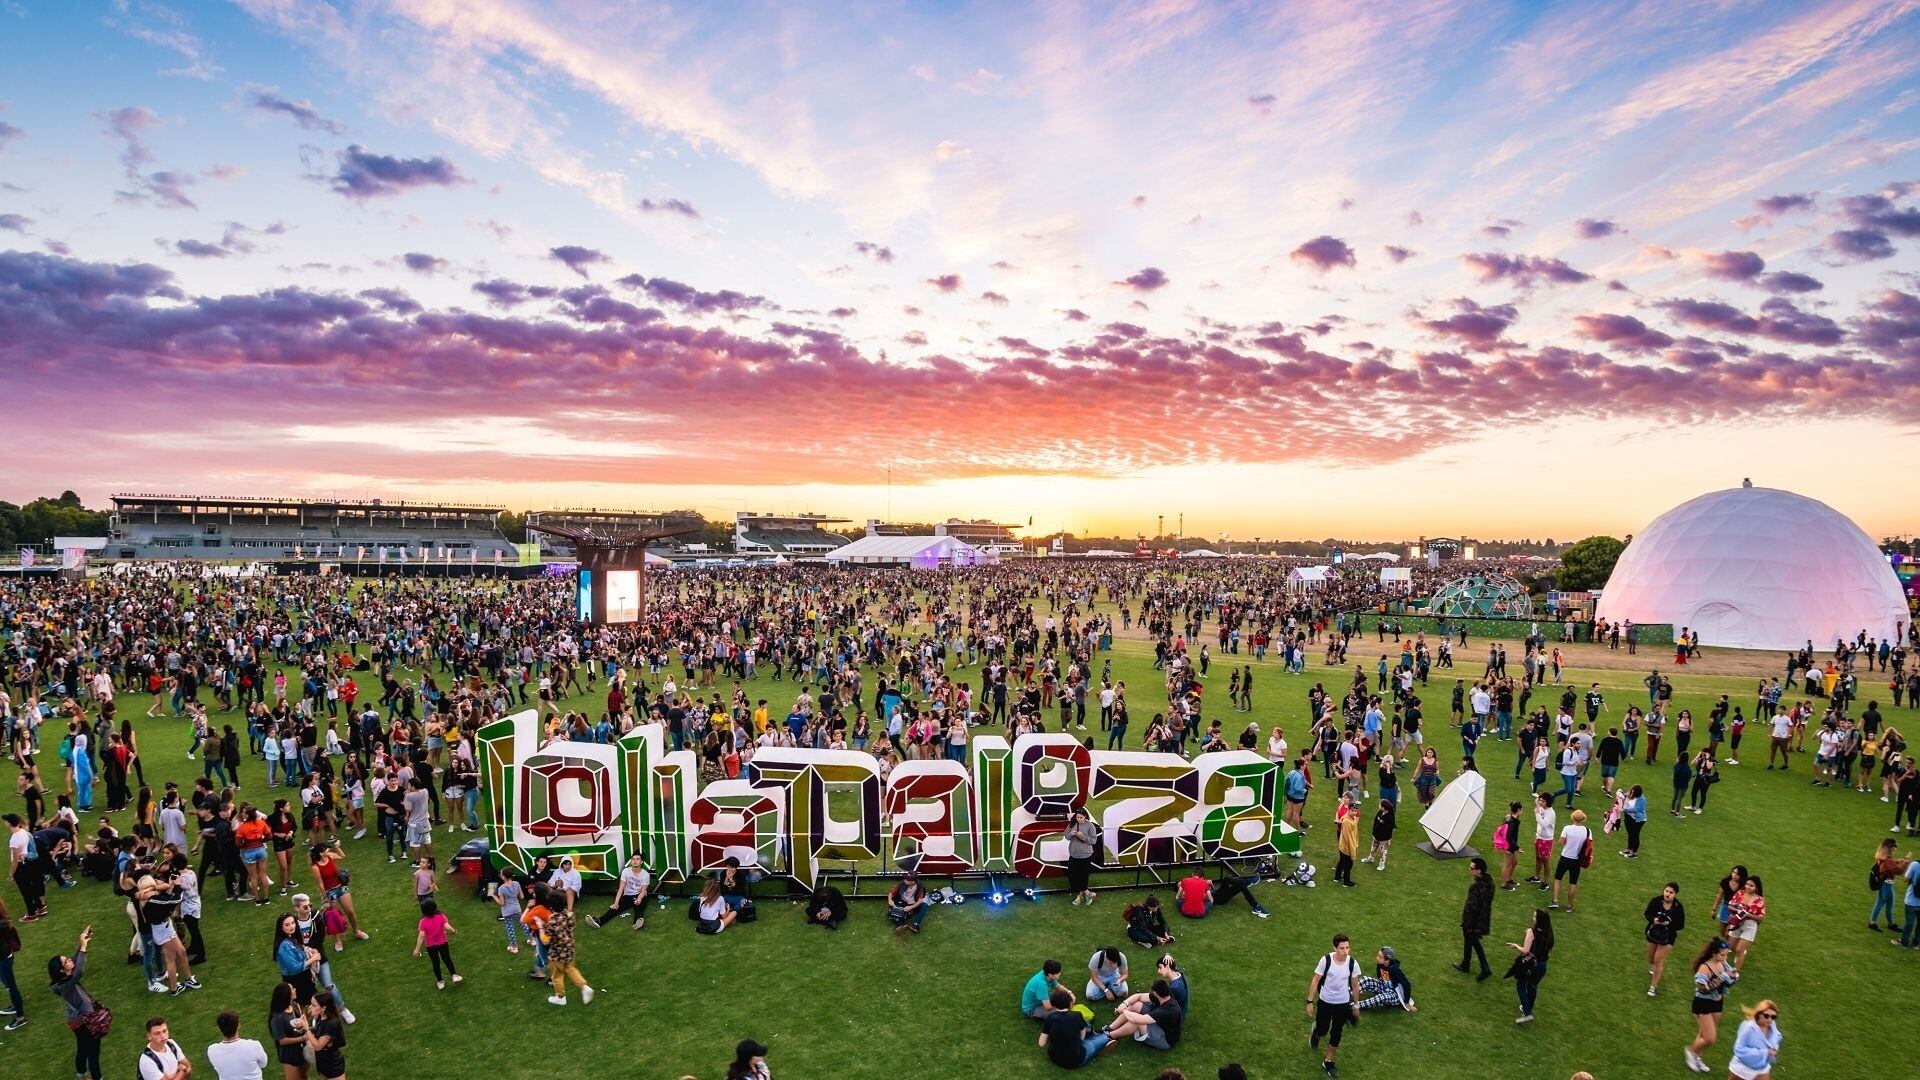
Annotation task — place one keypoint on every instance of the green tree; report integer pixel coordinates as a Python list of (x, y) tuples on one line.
[(1587, 564), (512, 526)]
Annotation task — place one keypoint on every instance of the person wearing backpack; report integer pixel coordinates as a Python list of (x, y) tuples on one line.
[(1880, 878), (1333, 999), (162, 1058), (16, 1012), (1576, 854), (1506, 840)]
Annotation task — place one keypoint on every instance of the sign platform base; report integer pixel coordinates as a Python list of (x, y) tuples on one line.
[(1463, 853)]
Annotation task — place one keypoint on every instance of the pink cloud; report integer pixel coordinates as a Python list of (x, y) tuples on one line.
[(1323, 253), (1524, 271), (1145, 280)]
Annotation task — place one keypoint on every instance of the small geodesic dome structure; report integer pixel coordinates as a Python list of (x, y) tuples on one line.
[(1481, 596), (1756, 568)]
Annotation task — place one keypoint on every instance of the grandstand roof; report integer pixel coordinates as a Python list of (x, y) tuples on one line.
[(141, 499)]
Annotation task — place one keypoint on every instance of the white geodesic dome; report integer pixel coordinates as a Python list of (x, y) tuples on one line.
[(1756, 568)]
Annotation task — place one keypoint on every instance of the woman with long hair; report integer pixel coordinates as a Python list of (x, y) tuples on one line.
[(284, 830), (295, 960), (1666, 918), (1534, 947), (1744, 915), (1729, 888), (715, 914), (1758, 1042), (287, 1026), (749, 1062), (1712, 974), (327, 1037), (1705, 775), (1887, 870)]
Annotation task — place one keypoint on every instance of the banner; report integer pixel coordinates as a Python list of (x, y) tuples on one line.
[(803, 812), (26, 556)]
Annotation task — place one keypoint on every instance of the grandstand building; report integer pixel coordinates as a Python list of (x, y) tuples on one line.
[(600, 521), (792, 535), (268, 530), (987, 537)]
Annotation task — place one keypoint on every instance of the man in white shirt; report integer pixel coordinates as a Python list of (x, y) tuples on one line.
[(235, 1058), (1782, 731), (1482, 705), (163, 1059), (1333, 999), (1573, 849)]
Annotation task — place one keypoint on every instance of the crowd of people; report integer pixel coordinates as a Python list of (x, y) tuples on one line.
[(354, 710)]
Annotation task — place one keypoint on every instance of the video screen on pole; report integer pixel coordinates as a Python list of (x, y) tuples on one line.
[(623, 596), (584, 597)]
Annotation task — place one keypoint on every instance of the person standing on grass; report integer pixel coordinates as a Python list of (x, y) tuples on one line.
[(1745, 911), (1347, 827), (85, 1018), (1333, 999), (434, 932), (1083, 841), (1704, 777), (1633, 815), (1476, 918), (1757, 1044), (1531, 967), (560, 959), (1506, 840), (162, 1058), (1712, 975), (1543, 834), (327, 1037), (235, 1058), (1886, 870), (1682, 776), (287, 1026), (1666, 918)]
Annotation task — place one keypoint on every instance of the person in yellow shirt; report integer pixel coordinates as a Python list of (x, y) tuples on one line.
[(760, 718)]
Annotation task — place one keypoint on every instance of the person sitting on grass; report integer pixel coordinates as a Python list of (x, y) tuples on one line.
[(1155, 1021), (1388, 985), (907, 904), (1107, 975), (827, 907), (712, 913), (1068, 1039), (1036, 999), (1168, 971), (1147, 923)]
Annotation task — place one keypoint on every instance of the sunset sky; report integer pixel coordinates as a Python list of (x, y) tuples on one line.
[(1292, 269)]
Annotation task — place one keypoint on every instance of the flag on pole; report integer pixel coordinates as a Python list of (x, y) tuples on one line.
[(362, 555), (403, 556), (382, 556), (498, 555), (26, 556), (447, 554), (473, 556)]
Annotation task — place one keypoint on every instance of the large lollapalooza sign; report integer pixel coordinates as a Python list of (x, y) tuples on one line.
[(800, 812)]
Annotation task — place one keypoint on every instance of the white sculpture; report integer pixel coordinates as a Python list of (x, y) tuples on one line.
[(1450, 821)]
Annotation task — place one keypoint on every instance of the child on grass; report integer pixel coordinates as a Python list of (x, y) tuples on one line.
[(434, 932)]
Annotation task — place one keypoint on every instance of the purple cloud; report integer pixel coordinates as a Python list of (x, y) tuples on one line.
[(1787, 281), (1477, 327), (1502, 228), (688, 298), (199, 249), (1263, 103), (1397, 253), (1859, 245), (1146, 280), (1323, 253), (946, 283), (1596, 228), (843, 313), (8, 133), (577, 258), (422, 263), (393, 300), (268, 100), (15, 222), (1524, 271), (1880, 214), (669, 206), (1733, 265), (501, 292), (994, 298), (363, 175), (1623, 332), (1074, 315), (1779, 320), (873, 251), (165, 188), (1775, 205)]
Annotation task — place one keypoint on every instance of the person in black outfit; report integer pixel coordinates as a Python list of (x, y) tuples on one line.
[(1069, 1040), (827, 907), (1476, 918)]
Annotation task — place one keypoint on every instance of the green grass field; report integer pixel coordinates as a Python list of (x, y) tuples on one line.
[(863, 1003)]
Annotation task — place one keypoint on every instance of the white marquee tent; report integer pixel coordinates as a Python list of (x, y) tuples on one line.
[(918, 552), (1756, 568), (1309, 577)]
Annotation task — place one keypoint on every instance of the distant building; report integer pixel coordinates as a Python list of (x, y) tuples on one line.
[(266, 530), (796, 535), (605, 521), (988, 537)]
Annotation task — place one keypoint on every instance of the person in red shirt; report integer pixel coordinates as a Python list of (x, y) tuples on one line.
[(251, 834), (1196, 896)]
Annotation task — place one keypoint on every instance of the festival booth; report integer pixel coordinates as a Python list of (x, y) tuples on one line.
[(914, 552), (1308, 578), (1397, 575)]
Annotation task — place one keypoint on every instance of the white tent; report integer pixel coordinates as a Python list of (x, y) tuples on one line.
[(1309, 577), (1756, 568), (1377, 556), (1396, 575), (919, 552), (1200, 553)]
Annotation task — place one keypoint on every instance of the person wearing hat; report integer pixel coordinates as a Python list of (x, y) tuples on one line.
[(749, 1062), (1388, 985), (630, 895), (907, 904)]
